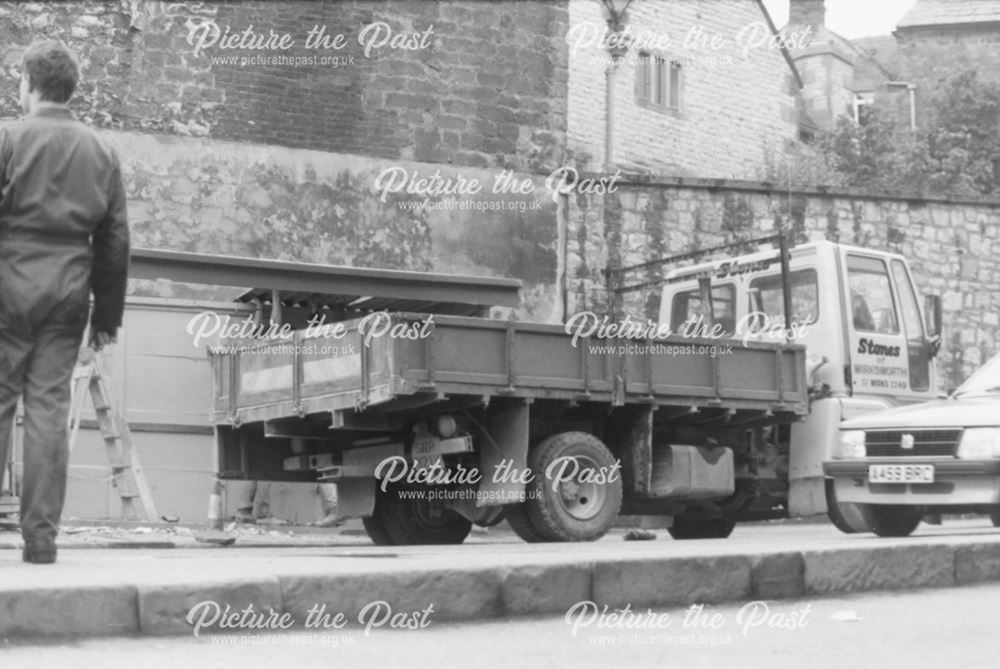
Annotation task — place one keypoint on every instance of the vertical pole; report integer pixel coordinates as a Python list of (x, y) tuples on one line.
[(609, 119), (913, 107), (786, 286), (276, 306)]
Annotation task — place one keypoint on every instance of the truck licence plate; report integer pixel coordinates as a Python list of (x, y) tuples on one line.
[(901, 473)]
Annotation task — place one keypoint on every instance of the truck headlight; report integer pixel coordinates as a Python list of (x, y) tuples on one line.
[(852, 444), (979, 443)]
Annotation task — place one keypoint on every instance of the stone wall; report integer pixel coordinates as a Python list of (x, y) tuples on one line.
[(737, 107), (952, 244), (258, 201), (462, 82)]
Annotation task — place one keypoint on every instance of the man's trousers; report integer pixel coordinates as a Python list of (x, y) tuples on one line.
[(39, 365)]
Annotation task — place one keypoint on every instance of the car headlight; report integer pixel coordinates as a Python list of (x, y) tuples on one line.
[(852, 444), (979, 443)]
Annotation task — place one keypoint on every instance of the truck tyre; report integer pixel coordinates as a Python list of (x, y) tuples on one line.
[(581, 509), (410, 522), (889, 520), (995, 518), (376, 531), (708, 528), (516, 516), (845, 517)]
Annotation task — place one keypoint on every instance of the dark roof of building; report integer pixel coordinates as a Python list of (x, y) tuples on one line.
[(883, 49), (879, 61), (950, 12)]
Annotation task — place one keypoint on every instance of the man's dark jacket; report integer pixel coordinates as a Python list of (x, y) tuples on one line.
[(63, 223)]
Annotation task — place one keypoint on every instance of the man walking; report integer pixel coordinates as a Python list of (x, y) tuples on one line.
[(63, 235)]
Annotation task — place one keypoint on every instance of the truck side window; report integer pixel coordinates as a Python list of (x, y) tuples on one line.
[(686, 307), (805, 297), (908, 300), (871, 296)]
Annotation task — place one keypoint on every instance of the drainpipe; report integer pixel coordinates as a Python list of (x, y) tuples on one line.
[(617, 46), (609, 116)]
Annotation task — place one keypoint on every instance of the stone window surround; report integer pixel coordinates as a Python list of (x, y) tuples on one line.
[(676, 65)]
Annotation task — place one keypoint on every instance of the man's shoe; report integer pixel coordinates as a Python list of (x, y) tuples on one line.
[(329, 520), (39, 556)]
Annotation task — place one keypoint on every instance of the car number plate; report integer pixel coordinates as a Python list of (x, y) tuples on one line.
[(901, 473)]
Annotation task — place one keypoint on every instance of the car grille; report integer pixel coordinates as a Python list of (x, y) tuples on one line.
[(925, 443)]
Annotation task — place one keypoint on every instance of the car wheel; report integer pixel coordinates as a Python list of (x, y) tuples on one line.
[(889, 520)]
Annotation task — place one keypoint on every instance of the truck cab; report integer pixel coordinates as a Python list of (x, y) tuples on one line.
[(869, 341)]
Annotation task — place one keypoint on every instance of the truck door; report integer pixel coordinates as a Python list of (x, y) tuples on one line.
[(879, 353), (918, 353)]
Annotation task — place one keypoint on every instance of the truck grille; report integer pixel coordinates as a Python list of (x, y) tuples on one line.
[(925, 443)]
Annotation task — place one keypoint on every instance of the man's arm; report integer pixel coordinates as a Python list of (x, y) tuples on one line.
[(109, 275)]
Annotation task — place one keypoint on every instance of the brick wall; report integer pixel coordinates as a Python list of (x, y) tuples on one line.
[(483, 85), (952, 245), (737, 110)]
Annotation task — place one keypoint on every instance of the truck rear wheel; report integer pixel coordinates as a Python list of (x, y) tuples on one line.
[(890, 520), (376, 531), (409, 522), (584, 503), (845, 517), (708, 528)]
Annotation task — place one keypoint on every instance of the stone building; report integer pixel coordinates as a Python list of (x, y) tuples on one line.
[(837, 74), (938, 38), (898, 73), (703, 89)]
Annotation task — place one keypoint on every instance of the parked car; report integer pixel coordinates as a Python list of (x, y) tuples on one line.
[(935, 457)]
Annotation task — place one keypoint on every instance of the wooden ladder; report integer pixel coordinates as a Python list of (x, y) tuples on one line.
[(126, 473)]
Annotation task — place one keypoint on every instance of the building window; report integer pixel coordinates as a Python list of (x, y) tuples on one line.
[(862, 106), (659, 81)]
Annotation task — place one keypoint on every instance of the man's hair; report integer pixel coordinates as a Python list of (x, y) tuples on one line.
[(52, 69)]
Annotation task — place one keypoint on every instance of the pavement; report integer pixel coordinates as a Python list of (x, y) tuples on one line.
[(932, 629), (295, 575)]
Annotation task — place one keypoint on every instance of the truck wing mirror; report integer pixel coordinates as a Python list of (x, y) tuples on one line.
[(932, 312)]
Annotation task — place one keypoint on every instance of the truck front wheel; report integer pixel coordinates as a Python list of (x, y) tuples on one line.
[(890, 520), (409, 522), (576, 491)]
